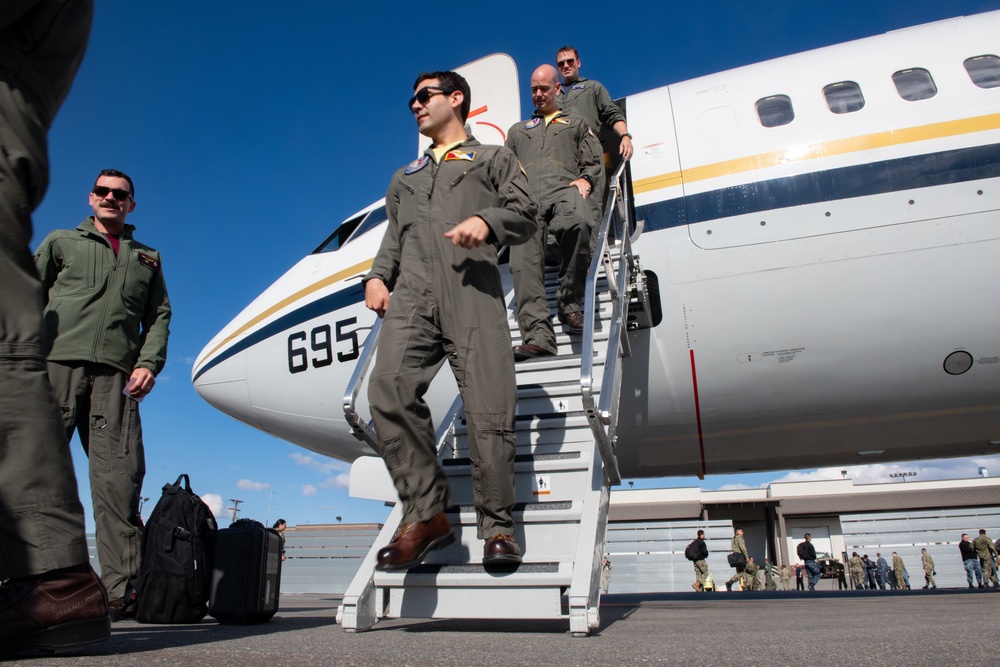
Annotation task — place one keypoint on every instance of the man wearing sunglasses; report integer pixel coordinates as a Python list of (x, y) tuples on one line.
[(449, 211), (562, 158), (108, 319), (591, 100)]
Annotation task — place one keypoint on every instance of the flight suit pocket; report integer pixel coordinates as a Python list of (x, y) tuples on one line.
[(99, 444)]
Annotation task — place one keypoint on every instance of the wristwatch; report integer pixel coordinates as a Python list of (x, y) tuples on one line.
[(626, 135)]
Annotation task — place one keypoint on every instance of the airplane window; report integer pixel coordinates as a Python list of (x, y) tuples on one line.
[(844, 97), (775, 111), (374, 219), (915, 84), (339, 237), (984, 71)]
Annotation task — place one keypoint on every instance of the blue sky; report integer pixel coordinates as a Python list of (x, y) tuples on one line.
[(252, 129)]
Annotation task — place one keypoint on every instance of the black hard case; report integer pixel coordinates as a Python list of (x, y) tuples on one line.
[(247, 574)]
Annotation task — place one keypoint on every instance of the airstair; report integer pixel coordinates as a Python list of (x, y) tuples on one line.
[(564, 466)]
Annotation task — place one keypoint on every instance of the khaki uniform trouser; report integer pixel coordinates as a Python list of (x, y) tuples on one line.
[(410, 353), (929, 577), (570, 223), (701, 571), (41, 518), (989, 571), (110, 431)]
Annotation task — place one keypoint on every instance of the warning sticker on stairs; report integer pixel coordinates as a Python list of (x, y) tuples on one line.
[(541, 485)]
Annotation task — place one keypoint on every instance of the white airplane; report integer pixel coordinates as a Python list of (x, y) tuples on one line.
[(821, 240)]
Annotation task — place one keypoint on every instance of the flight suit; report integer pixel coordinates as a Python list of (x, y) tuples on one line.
[(987, 553), (41, 518), (591, 100), (554, 154), (447, 301), (928, 564)]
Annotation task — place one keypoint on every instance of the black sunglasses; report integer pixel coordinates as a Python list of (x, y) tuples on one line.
[(117, 193), (566, 62), (425, 94)]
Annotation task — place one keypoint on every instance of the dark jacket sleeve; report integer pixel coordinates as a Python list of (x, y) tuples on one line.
[(155, 326), (590, 158), (513, 221)]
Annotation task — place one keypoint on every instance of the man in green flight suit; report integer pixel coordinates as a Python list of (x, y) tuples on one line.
[(449, 211), (562, 159)]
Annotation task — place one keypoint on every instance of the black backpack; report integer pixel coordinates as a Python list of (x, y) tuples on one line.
[(692, 552), (178, 544)]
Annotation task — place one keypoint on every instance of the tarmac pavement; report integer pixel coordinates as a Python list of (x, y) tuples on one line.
[(855, 628)]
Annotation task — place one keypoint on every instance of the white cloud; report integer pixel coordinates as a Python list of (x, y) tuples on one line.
[(251, 485), (214, 502), (737, 487), (308, 490), (341, 481), (325, 467)]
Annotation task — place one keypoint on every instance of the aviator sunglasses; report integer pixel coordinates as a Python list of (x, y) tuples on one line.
[(118, 193), (426, 93)]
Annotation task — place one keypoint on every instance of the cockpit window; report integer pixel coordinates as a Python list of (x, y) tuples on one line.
[(775, 111), (915, 84), (984, 71), (352, 229), (844, 97), (374, 219)]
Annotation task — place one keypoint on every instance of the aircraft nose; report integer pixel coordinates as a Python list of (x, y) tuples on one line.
[(222, 382)]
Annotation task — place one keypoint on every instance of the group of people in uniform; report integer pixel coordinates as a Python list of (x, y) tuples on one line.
[(436, 284), (981, 558)]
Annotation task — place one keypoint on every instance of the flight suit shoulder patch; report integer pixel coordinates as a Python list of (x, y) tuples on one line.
[(468, 156), (416, 165)]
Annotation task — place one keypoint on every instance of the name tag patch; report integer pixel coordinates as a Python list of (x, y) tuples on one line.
[(148, 261)]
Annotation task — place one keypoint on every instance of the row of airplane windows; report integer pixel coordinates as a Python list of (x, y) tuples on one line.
[(911, 84)]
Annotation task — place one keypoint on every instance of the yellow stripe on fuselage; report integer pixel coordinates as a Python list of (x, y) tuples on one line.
[(361, 267), (823, 149)]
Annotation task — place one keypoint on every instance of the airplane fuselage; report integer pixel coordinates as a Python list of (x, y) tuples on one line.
[(822, 231)]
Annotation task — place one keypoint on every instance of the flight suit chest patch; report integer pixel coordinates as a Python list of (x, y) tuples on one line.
[(148, 262), (416, 165), (578, 86), (532, 123), (560, 121)]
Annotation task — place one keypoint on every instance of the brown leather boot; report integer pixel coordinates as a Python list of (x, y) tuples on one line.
[(61, 610), (413, 541)]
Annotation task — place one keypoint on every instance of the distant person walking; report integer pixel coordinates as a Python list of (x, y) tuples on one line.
[(928, 564), (970, 559), (807, 552), (697, 553), (898, 569), (738, 546), (606, 574), (785, 574), (987, 553), (857, 570), (882, 570)]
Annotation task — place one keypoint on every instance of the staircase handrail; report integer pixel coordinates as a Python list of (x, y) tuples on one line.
[(362, 429), (605, 414)]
